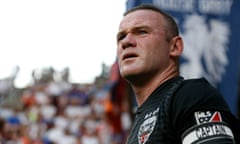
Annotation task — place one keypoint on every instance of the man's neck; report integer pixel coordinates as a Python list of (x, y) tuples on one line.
[(143, 91)]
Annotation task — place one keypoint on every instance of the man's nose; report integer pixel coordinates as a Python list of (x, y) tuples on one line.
[(128, 41)]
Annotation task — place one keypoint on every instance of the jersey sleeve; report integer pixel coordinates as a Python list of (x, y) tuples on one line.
[(200, 114)]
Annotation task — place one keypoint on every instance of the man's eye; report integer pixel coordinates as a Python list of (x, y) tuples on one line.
[(141, 32), (121, 37)]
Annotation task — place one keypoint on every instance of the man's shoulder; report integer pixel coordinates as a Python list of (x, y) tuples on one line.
[(198, 92), (196, 81), (199, 85)]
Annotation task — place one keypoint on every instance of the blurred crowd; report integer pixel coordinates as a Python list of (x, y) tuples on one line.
[(51, 111)]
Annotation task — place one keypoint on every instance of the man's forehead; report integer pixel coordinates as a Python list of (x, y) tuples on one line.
[(140, 17)]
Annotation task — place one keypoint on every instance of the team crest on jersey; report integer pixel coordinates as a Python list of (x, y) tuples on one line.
[(146, 129), (207, 116)]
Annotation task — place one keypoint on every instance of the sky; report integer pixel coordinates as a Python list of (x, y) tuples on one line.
[(79, 34)]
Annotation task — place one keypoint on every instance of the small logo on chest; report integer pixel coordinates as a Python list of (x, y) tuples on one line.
[(147, 126)]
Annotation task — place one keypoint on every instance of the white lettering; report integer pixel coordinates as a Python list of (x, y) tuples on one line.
[(202, 133), (210, 130), (219, 129), (153, 113), (215, 6), (176, 5)]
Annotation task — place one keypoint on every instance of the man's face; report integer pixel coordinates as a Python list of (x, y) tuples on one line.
[(143, 49)]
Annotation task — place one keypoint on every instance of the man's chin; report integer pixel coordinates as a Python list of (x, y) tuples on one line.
[(131, 77)]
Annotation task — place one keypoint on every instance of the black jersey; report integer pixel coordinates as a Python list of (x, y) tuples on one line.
[(183, 112)]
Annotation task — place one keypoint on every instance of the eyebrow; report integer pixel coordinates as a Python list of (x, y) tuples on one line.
[(132, 30), (119, 34)]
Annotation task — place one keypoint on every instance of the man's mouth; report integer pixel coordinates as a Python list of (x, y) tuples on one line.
[(129, 55)]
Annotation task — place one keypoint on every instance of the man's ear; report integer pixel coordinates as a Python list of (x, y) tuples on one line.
[(176, 46)]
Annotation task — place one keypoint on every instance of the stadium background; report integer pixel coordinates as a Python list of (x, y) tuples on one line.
[(54, 110)]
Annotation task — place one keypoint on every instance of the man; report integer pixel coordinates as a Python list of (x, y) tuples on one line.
[(170, 110)]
